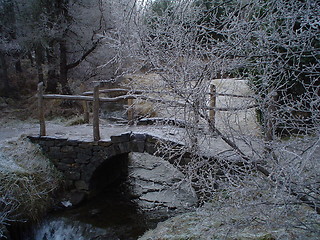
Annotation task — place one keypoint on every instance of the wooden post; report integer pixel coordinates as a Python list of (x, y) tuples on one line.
[(96, 131), (85, 106), (213, 100), (130, 111), (41, 110)]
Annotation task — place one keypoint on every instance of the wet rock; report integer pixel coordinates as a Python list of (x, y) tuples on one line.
[(81, 185), (170, 198), (77, 197)]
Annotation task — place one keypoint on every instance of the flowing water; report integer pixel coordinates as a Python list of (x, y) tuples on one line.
[(110, 216)]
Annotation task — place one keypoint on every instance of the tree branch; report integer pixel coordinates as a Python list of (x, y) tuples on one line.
[(83, 57)]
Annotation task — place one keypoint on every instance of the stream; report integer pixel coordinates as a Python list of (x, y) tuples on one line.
[(125, 210), (110, 215)]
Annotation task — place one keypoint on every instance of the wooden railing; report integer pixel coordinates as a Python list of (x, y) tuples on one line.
[(94, 97)]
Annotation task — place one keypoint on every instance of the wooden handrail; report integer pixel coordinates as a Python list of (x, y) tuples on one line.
[(233, 95), (124, 90), (107, 91), (130, 98), (86, 98), (220, 109), (67, 97)]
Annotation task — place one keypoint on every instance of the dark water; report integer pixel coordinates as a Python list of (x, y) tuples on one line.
[(110, 215)]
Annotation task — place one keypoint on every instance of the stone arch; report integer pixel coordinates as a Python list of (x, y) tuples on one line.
[(79, 159), (105, 153), (112, 170)]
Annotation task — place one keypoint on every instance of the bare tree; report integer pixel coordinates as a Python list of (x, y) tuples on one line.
[(272, 48), (8, 44), (60, 35)]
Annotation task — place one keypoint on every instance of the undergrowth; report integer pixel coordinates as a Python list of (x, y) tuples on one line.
[(27, 180)]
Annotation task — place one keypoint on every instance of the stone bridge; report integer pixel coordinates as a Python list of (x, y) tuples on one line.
[(80, 160)]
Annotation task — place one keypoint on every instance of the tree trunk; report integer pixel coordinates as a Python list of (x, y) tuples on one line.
[(4, 75), (52, 81), (39, 61), (63, 80), (30, 58), (18, 66)]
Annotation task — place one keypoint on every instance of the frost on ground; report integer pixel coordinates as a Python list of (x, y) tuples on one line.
[(251, 222), (26, 180)]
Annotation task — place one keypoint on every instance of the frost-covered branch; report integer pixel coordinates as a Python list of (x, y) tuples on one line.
[(267, 50)]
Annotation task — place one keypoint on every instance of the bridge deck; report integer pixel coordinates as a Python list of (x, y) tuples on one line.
[(214, 145)]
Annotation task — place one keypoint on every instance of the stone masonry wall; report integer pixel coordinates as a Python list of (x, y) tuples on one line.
[(78, 160)]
